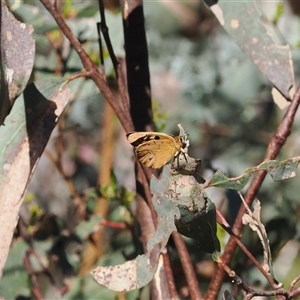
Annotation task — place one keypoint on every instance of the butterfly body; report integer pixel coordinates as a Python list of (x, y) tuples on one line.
[(155, 149)]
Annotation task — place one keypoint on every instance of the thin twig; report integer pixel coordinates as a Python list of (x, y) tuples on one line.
[(117, 66), (250, 291), (275, 145), (221, 220), (75, 76), (101, 49), (89, 65), (104, 30), (123, 92), (294, 282)]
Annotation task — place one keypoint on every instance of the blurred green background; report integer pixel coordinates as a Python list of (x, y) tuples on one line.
[(197, 74)]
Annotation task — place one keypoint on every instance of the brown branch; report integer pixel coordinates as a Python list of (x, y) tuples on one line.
[(170, 277), (221, 220), (123, 92), (187, 266), (145, 209), (275, 145), (295, 292), (250, 291), (104, 30), (279, 292), (294, 282), (115, 62), (89, 65), (75, 76)]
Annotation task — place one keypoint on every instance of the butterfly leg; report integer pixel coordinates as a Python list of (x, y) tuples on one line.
[(184, 152)]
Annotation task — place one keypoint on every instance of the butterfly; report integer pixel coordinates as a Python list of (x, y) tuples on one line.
[(155, 149)]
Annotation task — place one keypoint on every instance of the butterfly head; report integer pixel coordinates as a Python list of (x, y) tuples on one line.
[(183, 138)]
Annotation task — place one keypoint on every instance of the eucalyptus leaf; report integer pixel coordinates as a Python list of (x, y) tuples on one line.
[(85, 228), (257, 41), (279, 170), (138, 272), (17, 57), (22, 141), (15, 272)]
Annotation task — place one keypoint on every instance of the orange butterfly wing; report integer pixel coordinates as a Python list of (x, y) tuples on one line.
[(154, 149)]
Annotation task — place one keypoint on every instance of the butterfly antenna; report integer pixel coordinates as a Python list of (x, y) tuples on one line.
[(190, 127)]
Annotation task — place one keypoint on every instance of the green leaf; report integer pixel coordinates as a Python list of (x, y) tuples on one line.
[(15, 276), (165, 210), (17, 57), (82, 287), (258, 41), (36, 16), (279, 170), (22, 141), (85, 228)]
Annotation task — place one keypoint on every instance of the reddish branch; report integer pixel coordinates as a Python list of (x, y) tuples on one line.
[(89, 65), (170, 277), (187, 266), (249, 291), (221, 220), (274, 147)]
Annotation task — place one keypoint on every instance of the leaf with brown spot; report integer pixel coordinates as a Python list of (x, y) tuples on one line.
[(22, 141), (17, 58), (278, 169), (245, 25)]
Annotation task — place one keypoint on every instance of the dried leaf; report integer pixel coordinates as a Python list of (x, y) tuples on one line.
[(253, 220), (125, 277)]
